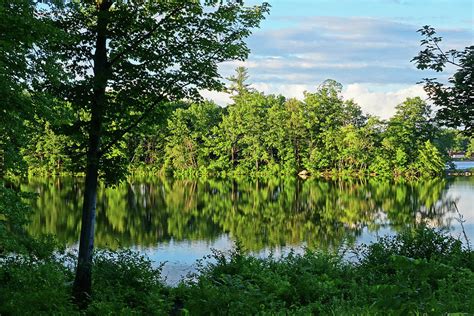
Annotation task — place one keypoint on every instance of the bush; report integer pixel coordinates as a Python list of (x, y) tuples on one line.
[(30, 286), (423, 271), (13, 216), (311, 283), (416, 272)]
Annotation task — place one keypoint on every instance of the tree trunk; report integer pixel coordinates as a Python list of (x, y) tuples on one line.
[(2, 161), (83, 281), (297, 154), (232, 152)]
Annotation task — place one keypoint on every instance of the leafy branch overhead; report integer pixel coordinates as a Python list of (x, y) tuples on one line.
[(157, 51), (455, 101), (115, 63)]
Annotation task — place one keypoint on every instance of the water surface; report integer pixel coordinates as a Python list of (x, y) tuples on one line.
[(463, 165), (180, 221)]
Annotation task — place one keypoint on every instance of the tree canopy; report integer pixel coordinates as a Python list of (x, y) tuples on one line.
[(456, 100), (112, 64)]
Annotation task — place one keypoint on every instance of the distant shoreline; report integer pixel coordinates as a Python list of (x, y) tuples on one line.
[(462, 168)]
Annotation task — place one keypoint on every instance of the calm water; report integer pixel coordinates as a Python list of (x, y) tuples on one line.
[(464, 165), (179, 221)]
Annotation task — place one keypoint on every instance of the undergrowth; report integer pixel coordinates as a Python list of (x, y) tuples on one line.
[(420, 272)]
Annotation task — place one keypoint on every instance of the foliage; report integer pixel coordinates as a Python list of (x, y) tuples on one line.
[(187, 130), (31, 286), (455, 102), (45, 153), (415, 272), (263, 135), (19, 32), (13, 216), (115, 63), (238, 83), (124, 282), (421, 271), (15, 213), (266, 135), (450, 140), (429, 160), (146, 64), (100, 79)]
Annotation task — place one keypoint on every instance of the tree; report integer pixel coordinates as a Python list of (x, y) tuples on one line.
[(19, 30), (455, 102), (287, 135), (238, 85), (120, 60), (45, 154), (407, 141), (449, 140), (146, 145), (238, 142), (326, 113), (188, 129), (411, 124), (429, 160)]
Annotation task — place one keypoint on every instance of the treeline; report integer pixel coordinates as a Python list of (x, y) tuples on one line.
[(264, 135)]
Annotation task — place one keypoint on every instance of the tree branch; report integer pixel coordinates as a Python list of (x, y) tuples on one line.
[(446, 57), (133, 45), (121, 133)]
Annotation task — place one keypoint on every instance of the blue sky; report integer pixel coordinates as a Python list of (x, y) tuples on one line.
[(366, 45)]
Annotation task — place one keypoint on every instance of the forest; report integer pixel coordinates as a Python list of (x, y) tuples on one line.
[(262, 135), (98, 94)]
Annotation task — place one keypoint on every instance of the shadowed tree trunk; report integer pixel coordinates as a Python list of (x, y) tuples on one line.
[(2, 160), (133, 36), (83, 279)]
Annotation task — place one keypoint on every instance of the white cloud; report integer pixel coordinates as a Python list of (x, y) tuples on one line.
[(347, 49), (369, 56), (287, 90), (381, 103), (379, 100), (221, 98)]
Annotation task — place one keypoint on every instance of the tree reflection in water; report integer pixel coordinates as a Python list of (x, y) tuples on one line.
[(260, 214)]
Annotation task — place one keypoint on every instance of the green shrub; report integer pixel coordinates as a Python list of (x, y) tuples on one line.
[(423, 270), (30, 286), (416, 272), (13, 216), (238, 284), (124, 282)]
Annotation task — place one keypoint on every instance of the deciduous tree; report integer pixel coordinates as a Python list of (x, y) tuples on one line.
[(121, 60), (456, 100)]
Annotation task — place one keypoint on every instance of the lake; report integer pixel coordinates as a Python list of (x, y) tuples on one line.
[(180, 221)]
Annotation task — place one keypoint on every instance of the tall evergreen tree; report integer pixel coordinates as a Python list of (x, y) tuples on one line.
[(238, 82)]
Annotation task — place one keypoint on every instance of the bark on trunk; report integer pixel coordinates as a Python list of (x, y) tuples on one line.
[(83, 279), (232, 152), (2, 161)]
